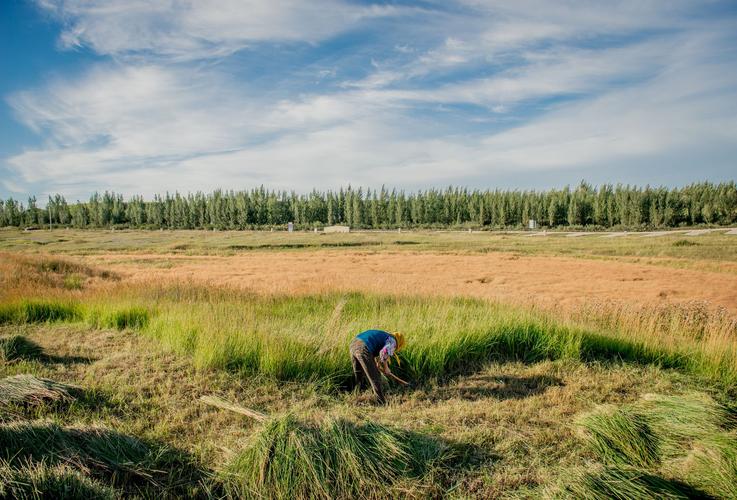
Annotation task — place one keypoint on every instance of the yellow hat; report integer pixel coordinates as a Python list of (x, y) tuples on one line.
[(400, 340)]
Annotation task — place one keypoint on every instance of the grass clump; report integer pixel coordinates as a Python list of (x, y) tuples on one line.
[(38, 480), (29, 390), (14, 347), (685, 243), (335, 459), (133, 318), (684, 420), (73, 282)]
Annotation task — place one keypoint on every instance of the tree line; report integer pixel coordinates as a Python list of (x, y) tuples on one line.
[(605, 206)]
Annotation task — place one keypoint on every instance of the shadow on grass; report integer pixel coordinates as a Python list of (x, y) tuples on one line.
[(628, 482), (531, 344), (501, 387), (66, 360), (18, 347)]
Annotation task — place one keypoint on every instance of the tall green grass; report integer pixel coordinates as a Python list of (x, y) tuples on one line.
[(307, 337), (117, 317), (38, 311)]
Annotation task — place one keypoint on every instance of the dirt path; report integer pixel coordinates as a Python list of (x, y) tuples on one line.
[(554, 281)]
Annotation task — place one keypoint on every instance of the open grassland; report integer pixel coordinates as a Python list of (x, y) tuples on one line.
[(676, 246), (601, 399)]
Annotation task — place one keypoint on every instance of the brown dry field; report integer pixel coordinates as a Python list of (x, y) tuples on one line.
[(540, 280)]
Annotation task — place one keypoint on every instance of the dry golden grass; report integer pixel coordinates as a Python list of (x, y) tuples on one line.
[(533, 280)]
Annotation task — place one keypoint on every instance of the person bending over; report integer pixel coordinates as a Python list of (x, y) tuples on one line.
[(370, 352)]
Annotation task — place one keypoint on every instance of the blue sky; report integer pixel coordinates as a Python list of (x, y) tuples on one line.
[(145, 97)]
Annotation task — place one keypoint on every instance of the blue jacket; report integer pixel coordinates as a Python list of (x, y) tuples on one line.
[(375, 340)]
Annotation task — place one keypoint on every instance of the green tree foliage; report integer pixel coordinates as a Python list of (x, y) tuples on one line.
[(605, 206)]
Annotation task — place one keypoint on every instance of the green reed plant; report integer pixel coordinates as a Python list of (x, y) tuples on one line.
[(38, 311), (306, 337)]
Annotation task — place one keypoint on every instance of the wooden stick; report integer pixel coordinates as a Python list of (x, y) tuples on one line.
[(227, 405)]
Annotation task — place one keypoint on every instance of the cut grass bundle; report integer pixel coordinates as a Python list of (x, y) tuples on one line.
[(95, 450), (648, 444), (683, 420), (14, 347), (621, 436), (31, 480), (29, 390), (714, 465), (335, 459)]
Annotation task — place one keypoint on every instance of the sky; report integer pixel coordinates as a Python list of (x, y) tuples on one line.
[(145, 97)]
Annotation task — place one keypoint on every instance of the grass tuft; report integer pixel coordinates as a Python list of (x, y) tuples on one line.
[(73, 282), (335, 459), (133, 318), (685, 243), (714, 465)]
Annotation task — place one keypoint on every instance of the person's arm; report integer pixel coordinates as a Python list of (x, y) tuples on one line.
[(386, 353)]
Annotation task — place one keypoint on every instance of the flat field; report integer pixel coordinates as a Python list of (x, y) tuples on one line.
[(541, 364)]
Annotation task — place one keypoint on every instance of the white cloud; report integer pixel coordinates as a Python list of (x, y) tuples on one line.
[(149, 124), (143, 130), (194, 29)]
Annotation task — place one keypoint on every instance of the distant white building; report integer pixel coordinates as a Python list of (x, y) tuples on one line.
[(290, 227), (532, 224), (337, 229)]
